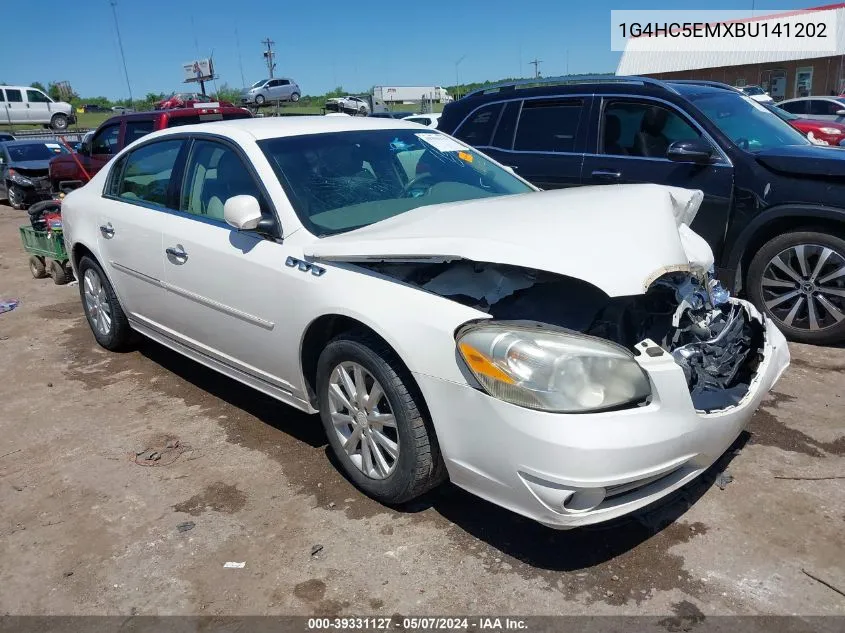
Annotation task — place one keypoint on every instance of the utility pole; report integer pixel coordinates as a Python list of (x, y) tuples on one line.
[(269, 55), (458, 76), (120, 44), (536, 63)]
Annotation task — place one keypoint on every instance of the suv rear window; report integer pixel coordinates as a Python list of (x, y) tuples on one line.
[(548, 125), (192, 119)]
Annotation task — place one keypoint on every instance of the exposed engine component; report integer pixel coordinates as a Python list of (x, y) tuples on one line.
[(716, 342)]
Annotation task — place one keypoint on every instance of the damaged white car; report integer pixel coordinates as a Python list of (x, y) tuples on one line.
[(562, 354)]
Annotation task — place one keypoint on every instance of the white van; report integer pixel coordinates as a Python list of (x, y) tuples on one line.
[(22, 104)]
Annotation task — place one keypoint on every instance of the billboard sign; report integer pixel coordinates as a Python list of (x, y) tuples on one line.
[(198, 70)]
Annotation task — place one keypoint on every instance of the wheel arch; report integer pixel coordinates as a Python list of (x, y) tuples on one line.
[(777, 221), (322, 330)]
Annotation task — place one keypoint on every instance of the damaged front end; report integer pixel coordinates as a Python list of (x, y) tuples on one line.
[(717, 341)]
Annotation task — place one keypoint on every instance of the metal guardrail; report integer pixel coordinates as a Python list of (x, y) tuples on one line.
[(49, 135)]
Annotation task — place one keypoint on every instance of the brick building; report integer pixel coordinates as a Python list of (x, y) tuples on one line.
[(783, 74)]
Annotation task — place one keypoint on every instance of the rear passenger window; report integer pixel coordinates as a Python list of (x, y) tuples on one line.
[(548, 125), (14, 96), (822, 107), (215, 173), (478, 128), (146, 176), (137, 129)]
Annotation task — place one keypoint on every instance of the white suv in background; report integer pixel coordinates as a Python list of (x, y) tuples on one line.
[(22, 105)]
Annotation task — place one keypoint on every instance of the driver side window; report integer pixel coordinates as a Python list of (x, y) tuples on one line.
[(642, 129), (214, 174), (105, 141)]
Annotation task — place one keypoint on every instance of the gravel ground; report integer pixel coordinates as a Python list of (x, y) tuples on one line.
[(85, 530)]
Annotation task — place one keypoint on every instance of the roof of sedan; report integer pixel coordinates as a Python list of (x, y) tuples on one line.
[(273, 127)]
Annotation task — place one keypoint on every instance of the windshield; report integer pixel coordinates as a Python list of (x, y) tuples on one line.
[(747, 123), (258, 83), (347, 180), (35, 151)]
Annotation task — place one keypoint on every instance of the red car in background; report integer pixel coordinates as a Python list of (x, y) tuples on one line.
[(69, 171), (187, 100), (818, 131)]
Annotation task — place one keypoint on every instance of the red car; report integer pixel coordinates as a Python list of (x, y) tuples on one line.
[(69, 171), (818, 131), (187, 100)]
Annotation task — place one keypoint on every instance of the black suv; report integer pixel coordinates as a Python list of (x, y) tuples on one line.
[(774, 204)]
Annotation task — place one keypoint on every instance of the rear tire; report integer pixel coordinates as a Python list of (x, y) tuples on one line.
[(37, 267), (788, 284), (418, 467), (59, 122), (294, 97), (118, 335)]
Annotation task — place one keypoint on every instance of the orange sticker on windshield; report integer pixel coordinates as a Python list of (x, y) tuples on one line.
[(465, 156)]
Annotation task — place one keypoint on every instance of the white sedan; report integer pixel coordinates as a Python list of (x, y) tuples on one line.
[(562, 354)]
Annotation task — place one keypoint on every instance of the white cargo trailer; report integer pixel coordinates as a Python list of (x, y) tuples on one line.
[(411, 94)]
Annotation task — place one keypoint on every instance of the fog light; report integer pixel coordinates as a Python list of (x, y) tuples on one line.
[(584, 499)]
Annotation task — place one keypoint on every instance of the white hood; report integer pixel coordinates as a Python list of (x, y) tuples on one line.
[(620, 238)]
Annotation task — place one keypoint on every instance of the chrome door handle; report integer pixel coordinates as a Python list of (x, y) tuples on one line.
[(606, 173), (177, 252), (107, 230)]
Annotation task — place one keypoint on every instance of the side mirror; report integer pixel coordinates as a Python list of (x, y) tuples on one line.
[(840, 113), (689, 152), (244, 213)]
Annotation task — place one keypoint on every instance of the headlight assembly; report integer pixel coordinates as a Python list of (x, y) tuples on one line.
[(551, 370), (18, 179)]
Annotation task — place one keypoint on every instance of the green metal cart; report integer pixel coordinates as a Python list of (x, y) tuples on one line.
[(47, 254)]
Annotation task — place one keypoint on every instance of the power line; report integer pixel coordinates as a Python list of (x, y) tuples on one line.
[(536, 63), (120, 44), (269, 55)]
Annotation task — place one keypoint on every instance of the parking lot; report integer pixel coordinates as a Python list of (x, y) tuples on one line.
[(241, 478)]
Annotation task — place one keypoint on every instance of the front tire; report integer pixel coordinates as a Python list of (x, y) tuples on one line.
[(375, 419), (17, 197), (106, 318), (59, 122), (259, 100), (37, 267), (798, 280)]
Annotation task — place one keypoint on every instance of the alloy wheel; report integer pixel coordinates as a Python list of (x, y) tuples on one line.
[(363, 420), (803, 286), (96, 300)]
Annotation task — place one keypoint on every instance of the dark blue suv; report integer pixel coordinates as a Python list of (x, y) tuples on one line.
[(774, 204)]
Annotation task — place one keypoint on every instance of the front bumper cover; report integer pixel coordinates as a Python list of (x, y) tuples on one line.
[(567, 470)]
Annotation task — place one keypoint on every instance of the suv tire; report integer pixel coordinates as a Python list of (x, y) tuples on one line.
[(793, 278), (415, 464), (59, 122)]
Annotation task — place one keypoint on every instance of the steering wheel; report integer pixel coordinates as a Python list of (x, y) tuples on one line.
[(414, 183), (742, 143)]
